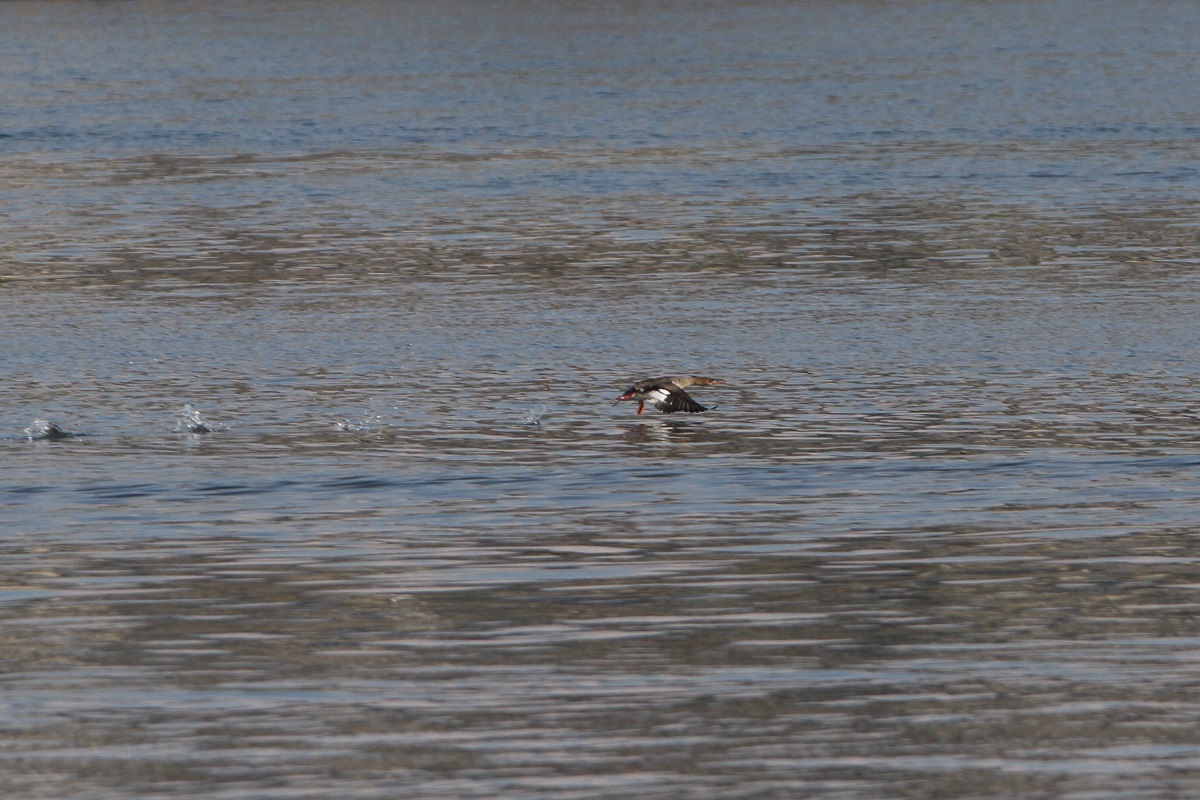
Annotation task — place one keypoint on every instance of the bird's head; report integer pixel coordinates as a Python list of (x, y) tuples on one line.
[(628, 394)]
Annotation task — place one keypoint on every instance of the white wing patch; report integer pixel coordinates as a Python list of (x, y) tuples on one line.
[(659, 395)]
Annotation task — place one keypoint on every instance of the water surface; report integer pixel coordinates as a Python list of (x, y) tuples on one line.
[(935, 540)]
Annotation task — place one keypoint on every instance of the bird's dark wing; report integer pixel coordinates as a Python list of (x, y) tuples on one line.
[(668, 400)]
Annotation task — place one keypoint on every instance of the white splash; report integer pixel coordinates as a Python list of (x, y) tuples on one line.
[(44, 429), (534, 415), (191, 420), (367, 423)]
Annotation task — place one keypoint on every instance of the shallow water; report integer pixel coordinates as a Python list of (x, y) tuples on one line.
[(936, 539)]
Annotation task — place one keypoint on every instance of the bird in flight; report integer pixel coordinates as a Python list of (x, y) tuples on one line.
[(667, 394)]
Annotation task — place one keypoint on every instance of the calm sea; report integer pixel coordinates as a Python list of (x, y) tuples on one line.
[(311, 320)]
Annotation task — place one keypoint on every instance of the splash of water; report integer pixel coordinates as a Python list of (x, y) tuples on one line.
[(191, 420), (534, 415), (45, 430), (367, 423)]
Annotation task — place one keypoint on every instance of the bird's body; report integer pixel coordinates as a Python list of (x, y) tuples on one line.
[(667, 393)]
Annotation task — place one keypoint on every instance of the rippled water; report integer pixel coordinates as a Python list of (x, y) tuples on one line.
[(313, 316)]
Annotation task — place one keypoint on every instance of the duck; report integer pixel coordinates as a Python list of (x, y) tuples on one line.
[(667, 393)]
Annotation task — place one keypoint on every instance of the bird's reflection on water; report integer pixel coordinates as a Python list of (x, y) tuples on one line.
[(664, 430)]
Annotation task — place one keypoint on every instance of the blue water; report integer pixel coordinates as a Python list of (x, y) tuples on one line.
[(935, 539)]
